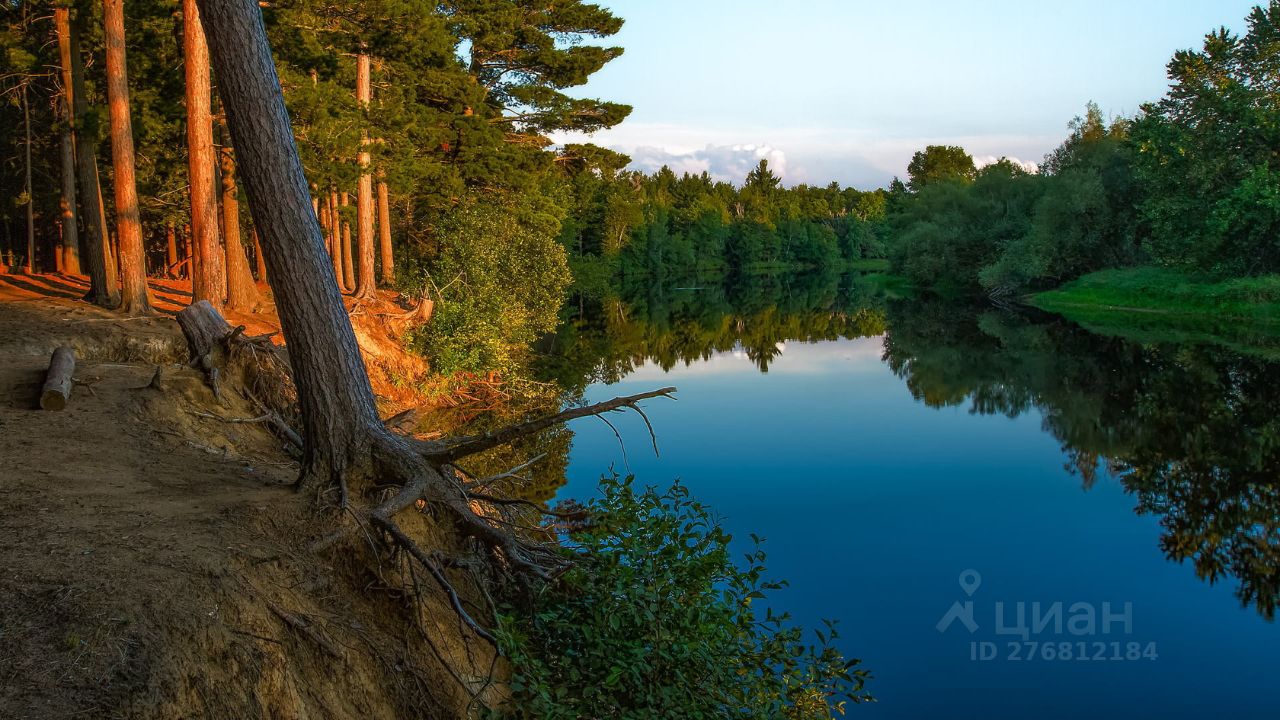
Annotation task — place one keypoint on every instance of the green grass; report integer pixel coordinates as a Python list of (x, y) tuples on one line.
[(1150, 304), (878, 265)]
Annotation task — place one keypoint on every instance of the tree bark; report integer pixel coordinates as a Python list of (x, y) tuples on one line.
[(133, 263), (171, 250), (188, 248), (348, 262), (257, 257), (339, 417), (335, 241), (103, 284), (366, 281), (70, 221), (58, 381), (384, 235), (242, 294), (31, 208), (208, 271)]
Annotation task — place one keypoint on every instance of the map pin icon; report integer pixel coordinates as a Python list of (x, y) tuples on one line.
[(970, 581)]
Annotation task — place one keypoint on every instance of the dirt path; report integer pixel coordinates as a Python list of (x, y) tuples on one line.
[(153, 560), (112, 526)]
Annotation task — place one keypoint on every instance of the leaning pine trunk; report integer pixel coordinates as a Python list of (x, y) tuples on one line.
[(103, 283), (339, 417), (208, 277), (133, 262)]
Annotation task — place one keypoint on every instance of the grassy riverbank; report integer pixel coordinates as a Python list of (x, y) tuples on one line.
[(1157, 304)]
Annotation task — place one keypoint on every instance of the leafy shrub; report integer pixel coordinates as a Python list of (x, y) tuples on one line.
[(498, 284), (656, 621)]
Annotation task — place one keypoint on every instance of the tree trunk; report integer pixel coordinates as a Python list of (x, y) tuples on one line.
[(257, 257), (335, 241), (208, 272), (242, 294), (171, 250), (58, 380), (103, 285), (133, 263), (348, 262), (384, 235), (189, 248), (31, 209), (339, 418), (366, 281), (70, 222)]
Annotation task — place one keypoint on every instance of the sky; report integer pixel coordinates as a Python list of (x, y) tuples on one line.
[(847, 90)]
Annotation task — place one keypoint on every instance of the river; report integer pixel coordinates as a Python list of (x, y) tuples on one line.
[(1008, 516)]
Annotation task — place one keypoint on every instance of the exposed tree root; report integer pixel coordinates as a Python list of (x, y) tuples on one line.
[(392, 475)]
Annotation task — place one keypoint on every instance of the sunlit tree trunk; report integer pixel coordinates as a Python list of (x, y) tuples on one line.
[(101, 262), (189, 250), (257, 256), (170, 250), (70, 250), (133, 263), (335, 241), (242, 294), (348, 269), (384, 235), (208, 273), (366, 281)]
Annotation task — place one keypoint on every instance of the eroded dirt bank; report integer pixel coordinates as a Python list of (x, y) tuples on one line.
[(154, 559)]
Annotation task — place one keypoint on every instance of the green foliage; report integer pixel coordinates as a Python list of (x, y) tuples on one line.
[(1207, 153), (940, 163), (1008, 229), (656, 621), (498, 284), (661, 224)]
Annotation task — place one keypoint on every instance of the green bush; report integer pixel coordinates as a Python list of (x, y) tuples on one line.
[(656, 621), (498, 284)]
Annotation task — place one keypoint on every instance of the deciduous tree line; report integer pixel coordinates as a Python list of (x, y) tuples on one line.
[(1192, 182)]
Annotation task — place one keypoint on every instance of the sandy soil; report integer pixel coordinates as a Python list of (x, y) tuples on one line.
[(149, 562)]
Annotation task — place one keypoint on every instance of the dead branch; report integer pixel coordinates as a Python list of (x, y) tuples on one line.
[(404, 541), (454, 448)]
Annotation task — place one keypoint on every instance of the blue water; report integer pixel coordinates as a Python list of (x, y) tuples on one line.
[(873, 504)]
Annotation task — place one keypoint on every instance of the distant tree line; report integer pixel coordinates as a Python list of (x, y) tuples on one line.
[(638, 223), (1192, 182)]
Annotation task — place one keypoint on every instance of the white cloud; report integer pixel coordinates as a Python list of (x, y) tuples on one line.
[(729, 163), (853, 157), (985, 160)]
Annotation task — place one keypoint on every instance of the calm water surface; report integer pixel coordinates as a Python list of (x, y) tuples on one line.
[(893, 446)]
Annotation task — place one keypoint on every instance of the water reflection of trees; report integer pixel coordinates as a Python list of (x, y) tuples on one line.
[(602, 339), (1190, 430)]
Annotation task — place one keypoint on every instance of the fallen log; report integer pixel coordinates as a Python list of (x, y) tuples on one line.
[(57, 383)]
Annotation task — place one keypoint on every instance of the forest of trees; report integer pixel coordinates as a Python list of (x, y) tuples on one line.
[(1191, 183), (660, 223), (405, 116)]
